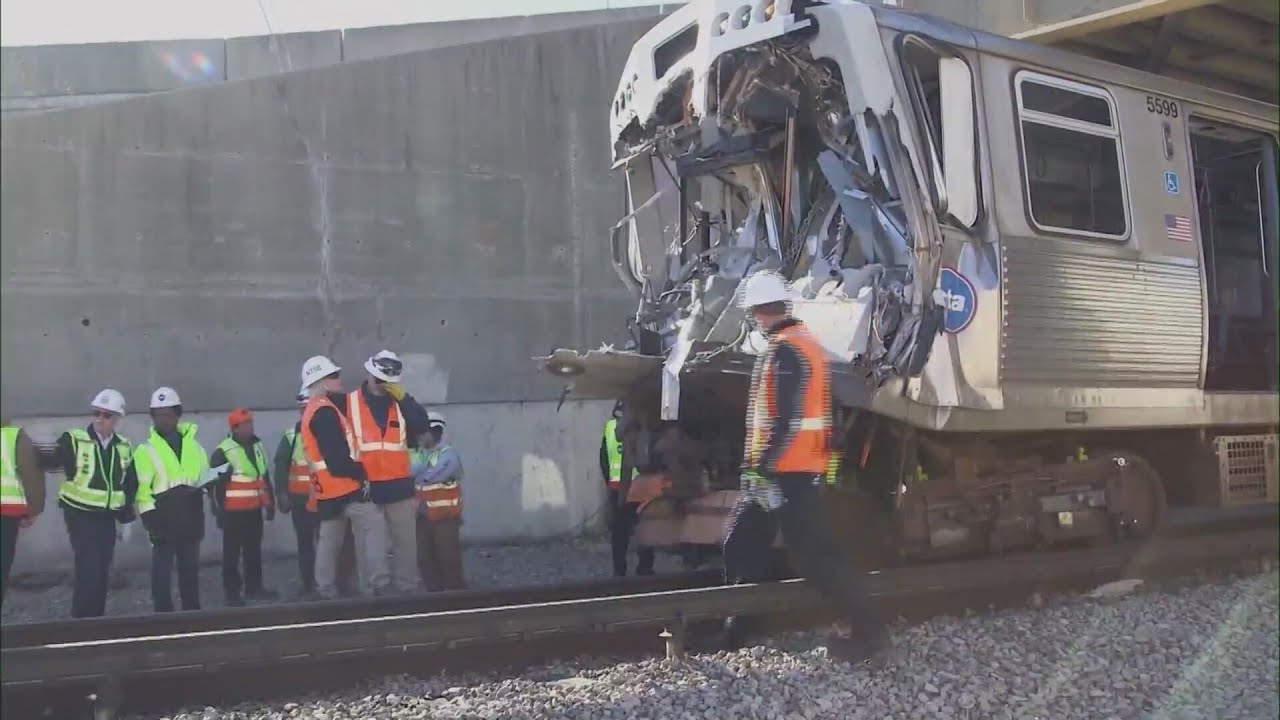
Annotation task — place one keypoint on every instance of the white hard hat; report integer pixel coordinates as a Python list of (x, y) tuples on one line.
[(385, 366), (435, 419), (109, 400), (762, 288), (315, 369), (165, 397)]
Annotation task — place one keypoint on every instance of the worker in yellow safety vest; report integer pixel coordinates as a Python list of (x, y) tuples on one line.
[(171, 468), (21, 493), (623, 515), (98, 492), (437, 472)]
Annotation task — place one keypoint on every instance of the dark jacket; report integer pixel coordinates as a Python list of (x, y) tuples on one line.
[(179, 514), (30, 473), (790, 377), (284, 460), (105, 478), (415, 420), (218, 488), (326, 426)]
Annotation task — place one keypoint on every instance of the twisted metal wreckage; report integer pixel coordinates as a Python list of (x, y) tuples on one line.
[(760, 153)]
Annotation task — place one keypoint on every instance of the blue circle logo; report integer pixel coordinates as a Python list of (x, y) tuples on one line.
[(959, 301)]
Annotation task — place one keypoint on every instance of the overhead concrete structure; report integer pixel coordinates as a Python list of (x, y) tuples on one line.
[(50, 77), (1231, 45)]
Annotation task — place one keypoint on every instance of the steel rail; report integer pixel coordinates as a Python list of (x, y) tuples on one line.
[(134, 626), (987, 580), (65, 631)]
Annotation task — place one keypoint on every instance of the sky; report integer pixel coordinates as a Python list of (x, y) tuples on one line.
[(54, 22)]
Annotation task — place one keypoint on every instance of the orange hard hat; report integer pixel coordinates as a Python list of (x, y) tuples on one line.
[(237, 416)]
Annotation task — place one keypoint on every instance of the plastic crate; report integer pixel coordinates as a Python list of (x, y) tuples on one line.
[(1247, 472)]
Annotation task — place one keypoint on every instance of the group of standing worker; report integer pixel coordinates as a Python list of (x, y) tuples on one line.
[(371, 485)]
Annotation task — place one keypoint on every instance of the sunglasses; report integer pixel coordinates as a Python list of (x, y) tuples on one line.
[(103, 414)]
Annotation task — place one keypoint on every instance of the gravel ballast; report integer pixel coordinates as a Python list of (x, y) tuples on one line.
[(1208, 651), (547, 563)]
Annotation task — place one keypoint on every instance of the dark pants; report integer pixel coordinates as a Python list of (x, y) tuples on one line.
[(440, 553), (93, 542), (814, 555), (187, 556), (622, 525), (305, 527), (8, 544), (241, 542)]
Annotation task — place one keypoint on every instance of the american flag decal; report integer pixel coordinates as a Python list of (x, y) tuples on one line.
[(1177, 227)]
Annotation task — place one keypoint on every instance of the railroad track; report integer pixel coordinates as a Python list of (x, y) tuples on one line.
[(263, 658)]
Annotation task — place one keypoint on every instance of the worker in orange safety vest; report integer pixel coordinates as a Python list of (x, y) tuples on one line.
[(437, 472), (241, 496), (787, 453)]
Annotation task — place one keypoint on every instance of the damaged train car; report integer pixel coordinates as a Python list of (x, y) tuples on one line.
[(1046, 283)]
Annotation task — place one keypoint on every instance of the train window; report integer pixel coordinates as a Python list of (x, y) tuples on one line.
[(1071, 157)]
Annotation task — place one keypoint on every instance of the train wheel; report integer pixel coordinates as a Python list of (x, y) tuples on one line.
[(1143, 494)]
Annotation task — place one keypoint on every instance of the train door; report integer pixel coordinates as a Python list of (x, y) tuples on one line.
[(1235, 184)]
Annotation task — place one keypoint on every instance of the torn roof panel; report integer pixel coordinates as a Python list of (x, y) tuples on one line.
[(600, 373)]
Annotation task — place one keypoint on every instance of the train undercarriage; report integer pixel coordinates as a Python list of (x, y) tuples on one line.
[(902, 495)]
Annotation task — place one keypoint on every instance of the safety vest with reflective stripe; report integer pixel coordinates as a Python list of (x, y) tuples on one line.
[(160, 470), (247, 488), (440, 501), (810, 439), (13, 499), (383, 453), (325, 485), (613, 450), (299, 473), (96, 486)]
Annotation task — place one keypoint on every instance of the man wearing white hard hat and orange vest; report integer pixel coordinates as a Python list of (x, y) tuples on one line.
[(788, 446), (437, 470), (341, 489), (98, 492), (171, 468), (383, 417)]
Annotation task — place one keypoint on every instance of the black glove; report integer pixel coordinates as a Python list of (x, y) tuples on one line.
[(364, 491), (271, 513), (126, 515), (217, 517), (151, 521), (284, 503)]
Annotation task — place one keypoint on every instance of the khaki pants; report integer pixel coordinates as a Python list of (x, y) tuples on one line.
[(368, 527), (440, 553), (404, 548)]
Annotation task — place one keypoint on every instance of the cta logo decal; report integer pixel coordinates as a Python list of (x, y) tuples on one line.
[(959, 301)]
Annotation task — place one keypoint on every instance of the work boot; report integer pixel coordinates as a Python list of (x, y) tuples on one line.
[(263, 594), (235, 601)]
